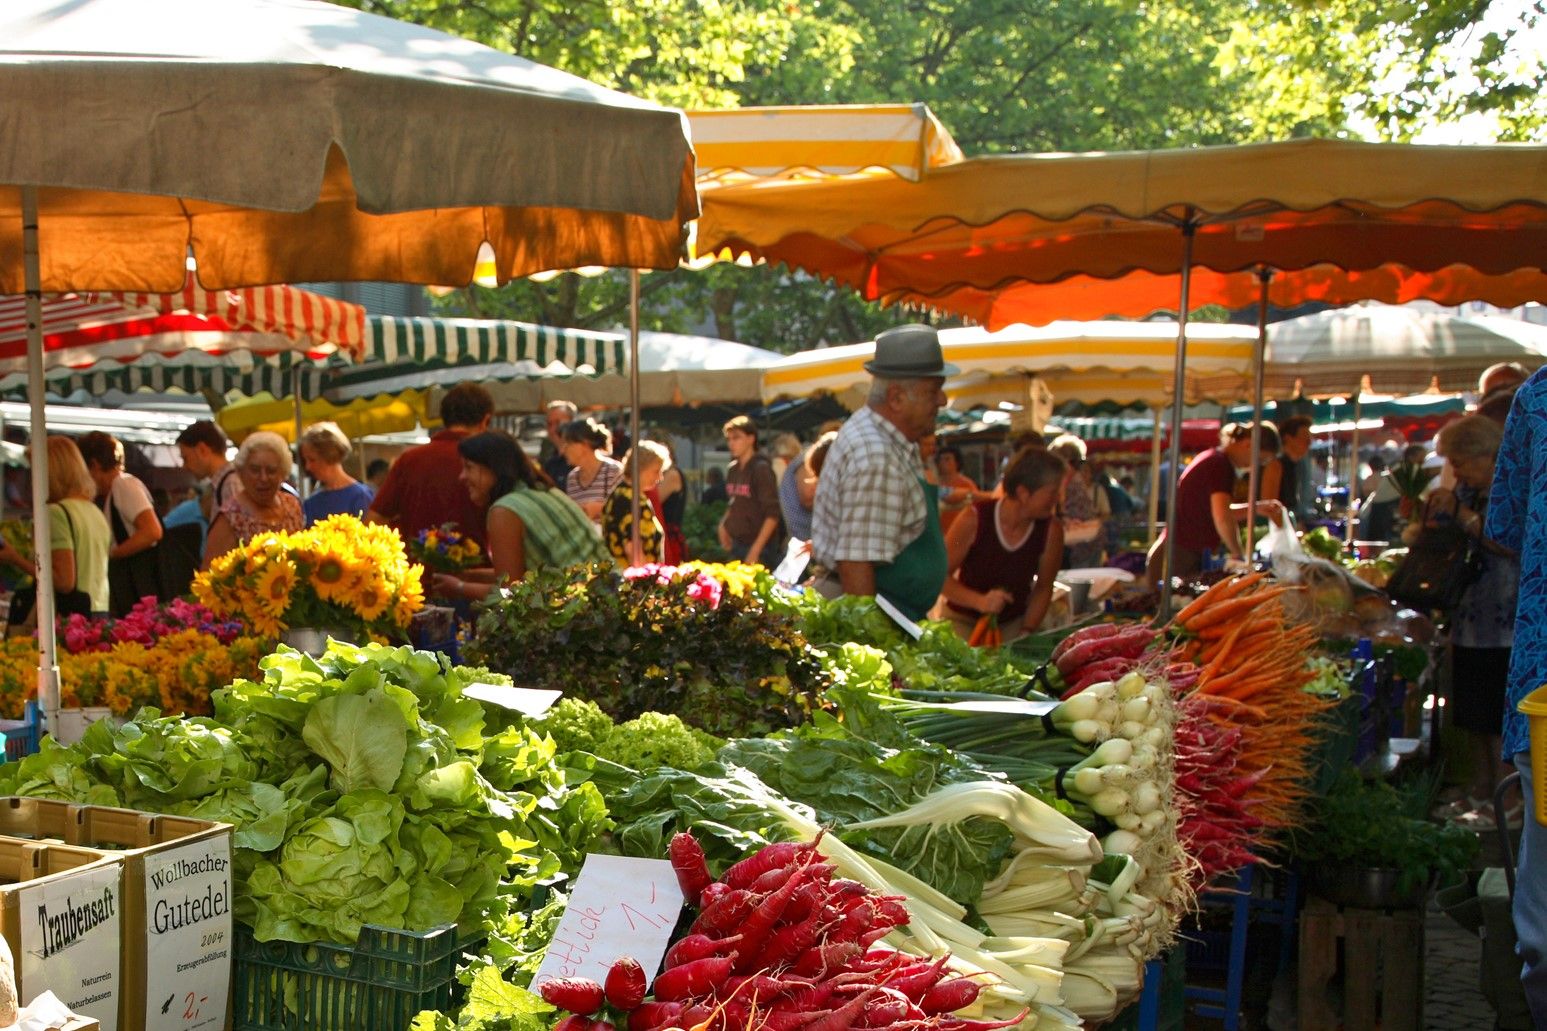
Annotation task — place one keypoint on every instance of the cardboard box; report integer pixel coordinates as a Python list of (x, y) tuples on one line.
[(177, 932), (61, 911)]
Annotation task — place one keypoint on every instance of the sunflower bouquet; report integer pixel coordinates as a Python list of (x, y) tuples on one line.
[(336, 573), (445, 549)]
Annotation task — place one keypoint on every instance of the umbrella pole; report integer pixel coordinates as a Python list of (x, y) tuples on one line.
[(1178, 391), (1154, 502), (48, 663), (1254, 477), (300, 470), (1353, 477), (636, 549)]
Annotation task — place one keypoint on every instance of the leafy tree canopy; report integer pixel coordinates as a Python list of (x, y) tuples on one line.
[(1004, 76)]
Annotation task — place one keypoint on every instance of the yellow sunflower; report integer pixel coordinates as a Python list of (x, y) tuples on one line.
[(330, 577), (274, 586)]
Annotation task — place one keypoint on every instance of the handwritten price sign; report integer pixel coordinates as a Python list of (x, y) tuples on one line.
[(620, 907)]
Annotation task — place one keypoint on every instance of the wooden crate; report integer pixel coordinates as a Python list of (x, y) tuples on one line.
[(1382, 967)]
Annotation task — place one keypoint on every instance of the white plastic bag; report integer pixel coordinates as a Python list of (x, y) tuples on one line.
[(1282, 545)]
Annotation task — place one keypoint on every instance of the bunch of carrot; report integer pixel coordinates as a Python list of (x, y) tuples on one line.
[(1248, 685), (986, 634), (780, 944)]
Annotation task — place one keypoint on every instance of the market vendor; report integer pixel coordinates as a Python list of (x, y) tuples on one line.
[(876, 524), (1205, 518), (1005, 552)]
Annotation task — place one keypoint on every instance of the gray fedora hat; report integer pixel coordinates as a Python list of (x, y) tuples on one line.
[(905, 352)]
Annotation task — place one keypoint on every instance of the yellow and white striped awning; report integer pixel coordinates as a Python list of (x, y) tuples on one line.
[(904, 140), (1125, 362)]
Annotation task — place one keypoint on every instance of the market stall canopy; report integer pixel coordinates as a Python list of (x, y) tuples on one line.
[(359, 418), (1131, 434), (347, 147), (675, 369), (986, 224), (1129, 362), (85, 330), (1395, 350), (904, 140)]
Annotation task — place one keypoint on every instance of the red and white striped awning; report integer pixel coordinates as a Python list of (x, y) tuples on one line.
[(82, 329)]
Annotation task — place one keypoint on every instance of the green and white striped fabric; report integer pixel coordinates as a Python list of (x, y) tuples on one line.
[(482, 342), (396, 347)]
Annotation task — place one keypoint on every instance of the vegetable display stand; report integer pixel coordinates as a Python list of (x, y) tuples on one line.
[(22, 736), (378, 985), (1162, 1005), (1223, 951), (1382, 966)]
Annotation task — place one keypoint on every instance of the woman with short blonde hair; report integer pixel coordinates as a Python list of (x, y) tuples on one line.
[(263, 462), (323, 450), (79, 537), (618, 509)]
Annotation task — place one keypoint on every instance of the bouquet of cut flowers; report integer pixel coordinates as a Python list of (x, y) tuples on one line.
[(337, 573), (1410, 479), (445, 549)]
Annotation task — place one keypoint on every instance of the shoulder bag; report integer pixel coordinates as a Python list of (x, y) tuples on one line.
[(1440, 565)]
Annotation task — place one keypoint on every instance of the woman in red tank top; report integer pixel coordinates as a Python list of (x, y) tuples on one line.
[(1004, 553)]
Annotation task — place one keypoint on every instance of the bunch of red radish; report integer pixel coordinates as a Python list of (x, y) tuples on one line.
[(1096, 654), (1216, 824), (780, 944)]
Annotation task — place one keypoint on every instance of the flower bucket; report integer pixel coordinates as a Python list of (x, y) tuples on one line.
[(1534, 708), (70, 726), (313, 640)]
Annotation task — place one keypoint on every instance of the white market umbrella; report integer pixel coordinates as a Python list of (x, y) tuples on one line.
[(293, 141)]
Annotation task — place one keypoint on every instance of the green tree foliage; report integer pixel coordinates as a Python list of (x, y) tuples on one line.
[(1005, 76)]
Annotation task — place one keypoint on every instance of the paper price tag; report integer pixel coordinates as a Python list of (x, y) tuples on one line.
[(528, 701), (909, 627), (620, 907), (70, 931), (187, 938)]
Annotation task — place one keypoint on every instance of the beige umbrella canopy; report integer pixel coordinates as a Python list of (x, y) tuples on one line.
[(299, 141), (286, 141)]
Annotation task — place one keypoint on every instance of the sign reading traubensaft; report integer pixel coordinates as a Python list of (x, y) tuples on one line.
[(187, 935), (70, 926)]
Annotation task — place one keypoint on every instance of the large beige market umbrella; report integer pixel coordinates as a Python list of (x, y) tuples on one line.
[(285, 141), (988, 224)]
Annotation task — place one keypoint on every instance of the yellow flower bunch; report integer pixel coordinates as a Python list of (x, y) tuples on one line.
[(339, 572), (739, 579), (176, 674)]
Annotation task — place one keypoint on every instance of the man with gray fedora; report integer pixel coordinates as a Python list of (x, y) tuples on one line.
[(876, 524)]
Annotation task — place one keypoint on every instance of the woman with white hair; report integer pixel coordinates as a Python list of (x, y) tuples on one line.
[(262, 462)]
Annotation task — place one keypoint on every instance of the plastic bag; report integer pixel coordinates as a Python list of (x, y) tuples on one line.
[(1282, 545)]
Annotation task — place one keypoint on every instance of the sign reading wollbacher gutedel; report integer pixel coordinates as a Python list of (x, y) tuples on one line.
[(176, 906)]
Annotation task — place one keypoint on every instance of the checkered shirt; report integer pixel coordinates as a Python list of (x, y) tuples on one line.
[(869, 505)]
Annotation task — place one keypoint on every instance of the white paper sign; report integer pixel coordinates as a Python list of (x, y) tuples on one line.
[(797, 556), (620, 907), (527, 701), (69, 940), (911, 628), (187, 936)]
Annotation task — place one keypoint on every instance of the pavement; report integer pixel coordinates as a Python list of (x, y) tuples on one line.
[(1452, 956)]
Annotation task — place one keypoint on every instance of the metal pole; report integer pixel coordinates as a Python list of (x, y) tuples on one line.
[(1154, 502), (1353, 479), (1178, 389), (1254, 477), (636, 549), (300, 470), (48, 661)]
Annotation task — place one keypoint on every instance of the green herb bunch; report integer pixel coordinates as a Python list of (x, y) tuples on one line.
[(730, 664)]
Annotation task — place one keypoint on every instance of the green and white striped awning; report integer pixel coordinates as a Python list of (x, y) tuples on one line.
[(483, 342), (398, 351)]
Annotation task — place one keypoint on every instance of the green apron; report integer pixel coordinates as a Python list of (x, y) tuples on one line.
[(913, 580)]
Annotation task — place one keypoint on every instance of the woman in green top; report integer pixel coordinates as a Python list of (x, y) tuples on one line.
[(531, 523), (78, 534)]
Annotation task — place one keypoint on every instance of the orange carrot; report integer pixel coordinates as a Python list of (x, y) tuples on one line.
[(1235, 607)]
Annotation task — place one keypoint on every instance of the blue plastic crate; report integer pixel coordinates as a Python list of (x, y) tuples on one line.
[(22, 736)]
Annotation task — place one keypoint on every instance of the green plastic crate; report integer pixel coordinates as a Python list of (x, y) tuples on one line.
[(379, 984)]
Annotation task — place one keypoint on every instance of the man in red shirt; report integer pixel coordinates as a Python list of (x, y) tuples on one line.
[(422, 489)]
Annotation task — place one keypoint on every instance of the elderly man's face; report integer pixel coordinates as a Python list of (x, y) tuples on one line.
[(916, 404)]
